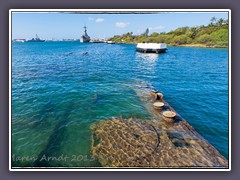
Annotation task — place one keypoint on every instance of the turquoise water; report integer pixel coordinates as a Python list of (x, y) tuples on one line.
[(57, 93)]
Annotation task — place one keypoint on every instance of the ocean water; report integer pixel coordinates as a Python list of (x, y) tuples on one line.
[(57, 93)]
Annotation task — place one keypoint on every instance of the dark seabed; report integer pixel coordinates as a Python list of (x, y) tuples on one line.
[(57, 93)]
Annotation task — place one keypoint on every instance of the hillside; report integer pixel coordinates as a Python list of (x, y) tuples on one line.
[(213, 35)]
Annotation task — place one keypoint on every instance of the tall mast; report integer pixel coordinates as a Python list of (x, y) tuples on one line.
[(85, 29)]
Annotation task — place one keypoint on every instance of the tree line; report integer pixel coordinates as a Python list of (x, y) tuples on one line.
[(215, 34)]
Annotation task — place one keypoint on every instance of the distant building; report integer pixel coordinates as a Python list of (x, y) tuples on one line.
[(19, 40), (68, 40)]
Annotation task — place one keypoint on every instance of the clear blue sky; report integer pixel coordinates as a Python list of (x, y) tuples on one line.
[(63, 25)]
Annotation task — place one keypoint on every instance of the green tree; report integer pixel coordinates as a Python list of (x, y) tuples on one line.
[(204, 39), (154, 34), (213, 21), (226, 21), (178, 40), (220, 37), (151, 40), (179, 31), (220, 22), (212, 35), (191, 32)]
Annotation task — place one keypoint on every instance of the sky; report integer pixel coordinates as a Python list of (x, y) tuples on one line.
[(56, 25)]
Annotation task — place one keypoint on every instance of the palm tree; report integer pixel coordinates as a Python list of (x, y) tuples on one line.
[(220, 22), (225, 21), (213, 21)]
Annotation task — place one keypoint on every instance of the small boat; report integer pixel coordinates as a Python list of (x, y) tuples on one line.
[(151, 47), (97, 41), (110, 42), (37, 39)]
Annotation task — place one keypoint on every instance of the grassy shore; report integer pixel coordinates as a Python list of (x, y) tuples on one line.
[(211, 36)]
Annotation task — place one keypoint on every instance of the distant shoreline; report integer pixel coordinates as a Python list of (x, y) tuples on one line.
[(188, 45), (199, 45), (174, 45)]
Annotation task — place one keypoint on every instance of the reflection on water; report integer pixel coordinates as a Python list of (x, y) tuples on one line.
[(151, 57), (146, 63)]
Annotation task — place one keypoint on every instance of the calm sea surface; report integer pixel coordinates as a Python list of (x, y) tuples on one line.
[(57, 93)]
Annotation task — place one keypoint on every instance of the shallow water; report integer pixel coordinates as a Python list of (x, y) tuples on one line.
[(57, 93)]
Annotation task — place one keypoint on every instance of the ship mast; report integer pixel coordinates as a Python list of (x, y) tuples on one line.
[(85, 30), (37, 37)]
